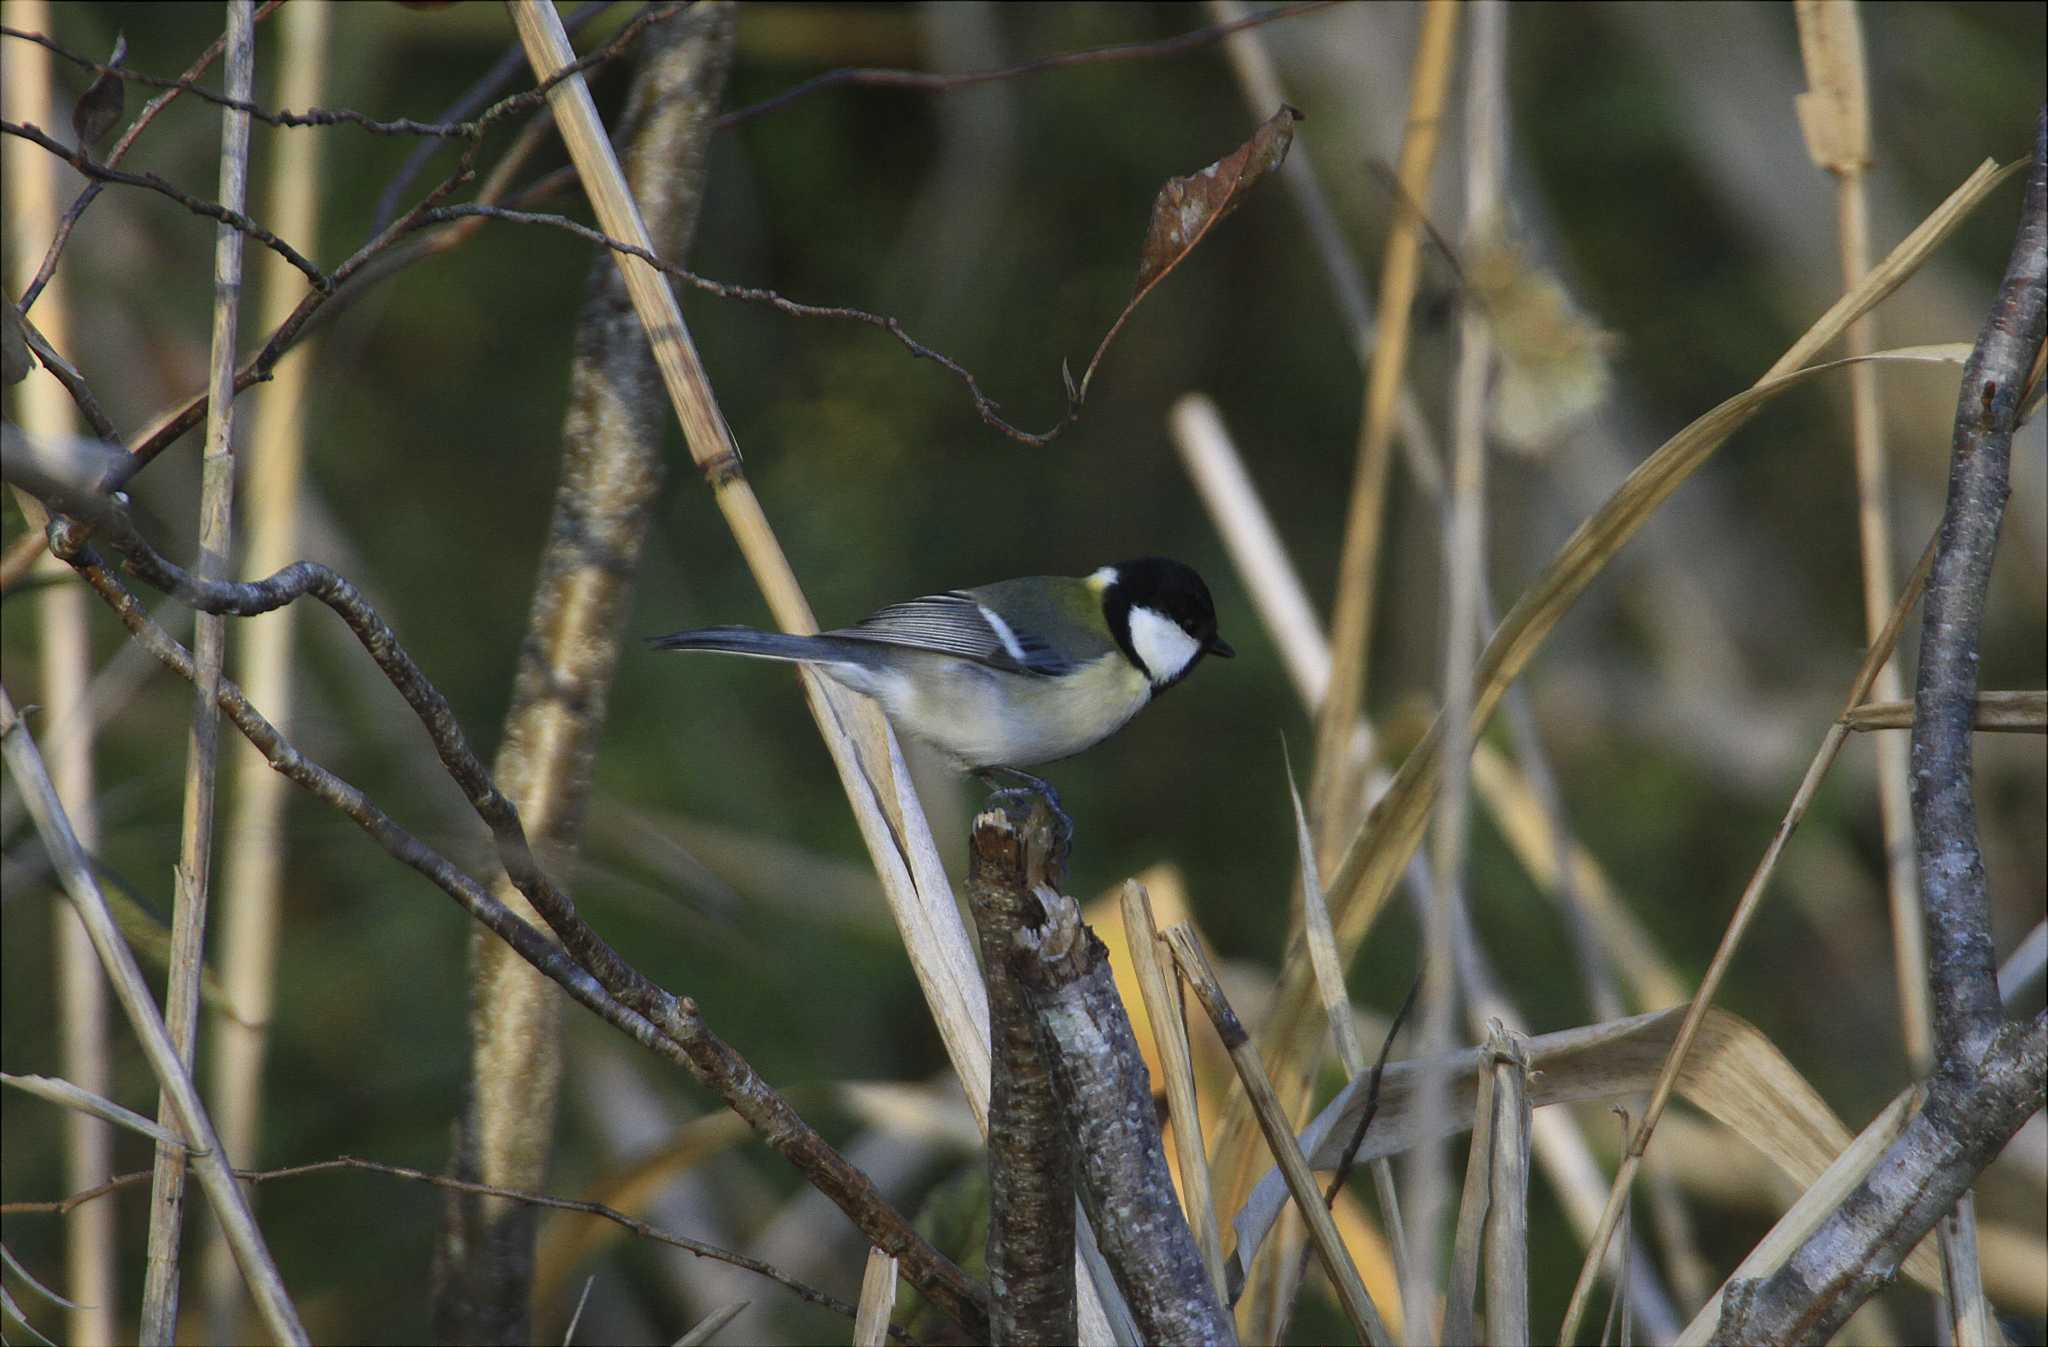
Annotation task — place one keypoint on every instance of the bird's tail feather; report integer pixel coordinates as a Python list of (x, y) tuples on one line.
[(767, 645)]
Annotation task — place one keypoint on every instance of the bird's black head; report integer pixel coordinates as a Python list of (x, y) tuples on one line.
[(1162, 616)]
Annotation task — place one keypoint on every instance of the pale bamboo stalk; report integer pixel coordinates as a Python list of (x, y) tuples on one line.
[(252, 872), (209, 646), (1969, 1311), (1556, 1138), (1273, 1122), (188, 1114), (1461, 1296), (1255, 546), (1507, 1217), (1731, 939), (1162, 1008), (941, 953), (65, 667), (871, 767), (612, 466), (1835, 116), (1426, 1168), (1358, 567), (877, 1299)]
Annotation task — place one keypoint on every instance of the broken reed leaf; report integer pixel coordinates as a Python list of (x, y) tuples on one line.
[(1735, 1075), (99, 108), (1186, 209)]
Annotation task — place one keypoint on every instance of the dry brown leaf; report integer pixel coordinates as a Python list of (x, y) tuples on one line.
[(1186, 209)]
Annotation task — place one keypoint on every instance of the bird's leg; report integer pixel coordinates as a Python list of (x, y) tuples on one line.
[(1029, 785)]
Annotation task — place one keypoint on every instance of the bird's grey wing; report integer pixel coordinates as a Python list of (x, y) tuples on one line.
[(957, 624)]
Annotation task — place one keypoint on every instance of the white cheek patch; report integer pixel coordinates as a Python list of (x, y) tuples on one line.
[(1161, 644), (1011, 645)]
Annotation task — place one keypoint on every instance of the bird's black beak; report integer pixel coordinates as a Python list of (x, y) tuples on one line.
[(1219, 647)]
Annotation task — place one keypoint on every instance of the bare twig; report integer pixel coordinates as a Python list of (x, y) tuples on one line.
[(253, 877), (809, 1294), (937, 82), (497, 77), (64, 1094), (674, 1030), (119, 152), (984, 405), (227, 213), (233, 102)]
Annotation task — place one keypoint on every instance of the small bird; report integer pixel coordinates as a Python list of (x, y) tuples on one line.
[(1013, 674)]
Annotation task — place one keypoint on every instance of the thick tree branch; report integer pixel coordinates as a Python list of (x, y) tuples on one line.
[(1990, 1076), (1105, 1102), (611, 474), (1857, 1251), (1961, 963), (1013, 854)]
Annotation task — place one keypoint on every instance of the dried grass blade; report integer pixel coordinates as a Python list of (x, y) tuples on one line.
[(1162, 1009), (1373, 861), (707, 1328), (2008, 712), (1734, 1074), (1300, 1182)]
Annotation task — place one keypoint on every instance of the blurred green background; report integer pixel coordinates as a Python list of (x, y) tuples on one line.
[(1656, 165)]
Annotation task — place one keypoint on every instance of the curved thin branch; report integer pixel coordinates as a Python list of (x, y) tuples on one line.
[(213, 210), (983, 404), (674, 1028), (936, 82)]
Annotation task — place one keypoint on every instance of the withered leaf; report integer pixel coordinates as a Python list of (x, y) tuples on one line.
[(1186, 209), (99, 108)]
